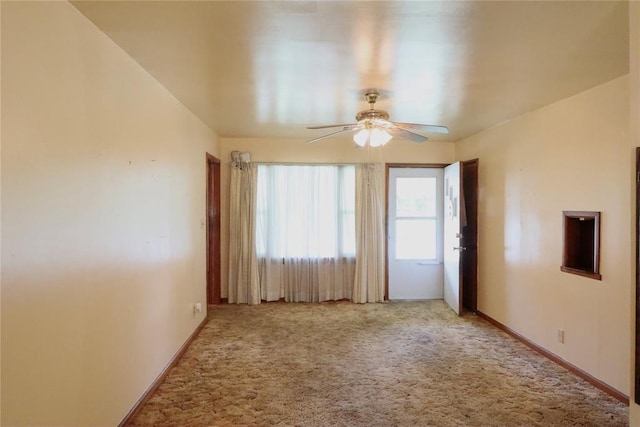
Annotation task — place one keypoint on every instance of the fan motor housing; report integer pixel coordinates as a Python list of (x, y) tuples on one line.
[(372, 114)]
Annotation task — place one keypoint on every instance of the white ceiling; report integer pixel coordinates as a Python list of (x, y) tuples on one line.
[(271, 68)]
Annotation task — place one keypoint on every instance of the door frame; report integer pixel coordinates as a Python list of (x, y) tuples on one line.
[(212, 216), (470, 285), (473, 287), (637, 233), (386, 211)]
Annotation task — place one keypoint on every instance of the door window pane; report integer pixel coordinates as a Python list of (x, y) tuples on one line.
[(416, 239), (415, 197)]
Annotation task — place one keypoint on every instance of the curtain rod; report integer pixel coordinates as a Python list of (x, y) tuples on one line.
[(308, 164)]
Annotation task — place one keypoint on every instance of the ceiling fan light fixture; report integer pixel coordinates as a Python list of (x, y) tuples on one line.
[(375, 137), (361, 137), (373, 124), (378, 137)]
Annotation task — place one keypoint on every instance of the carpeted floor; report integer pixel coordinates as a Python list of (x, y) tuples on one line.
[(392, 364)]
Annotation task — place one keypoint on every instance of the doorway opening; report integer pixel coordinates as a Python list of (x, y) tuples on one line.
[(459, 273), (213, 230), (414, 229)]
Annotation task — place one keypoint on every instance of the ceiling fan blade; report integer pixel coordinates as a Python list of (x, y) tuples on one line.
[(428, 128), (345, 128), (330, 126), (396, 131)]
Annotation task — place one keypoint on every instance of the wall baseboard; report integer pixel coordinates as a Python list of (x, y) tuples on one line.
[(160, 378), (557, 359)]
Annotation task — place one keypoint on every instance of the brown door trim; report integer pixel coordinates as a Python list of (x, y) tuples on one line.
[(637, 234), (213, 230)]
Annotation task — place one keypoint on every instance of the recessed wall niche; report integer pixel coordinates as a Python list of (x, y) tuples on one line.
[(581, 247)]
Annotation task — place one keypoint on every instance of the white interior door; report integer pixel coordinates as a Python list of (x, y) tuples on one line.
[(415, 233), (452, 182)]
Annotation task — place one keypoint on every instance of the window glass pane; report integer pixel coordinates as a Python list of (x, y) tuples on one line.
[(348, 209), (415, 239), (415, 197), (349, 234), (305, 211)]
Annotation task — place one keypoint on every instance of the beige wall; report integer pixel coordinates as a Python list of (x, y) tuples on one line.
[(326, 151), (571, 155), (634, 52), (103, 243)]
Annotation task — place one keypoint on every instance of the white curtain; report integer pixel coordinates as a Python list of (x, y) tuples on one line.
[(370, 239), (243, 264), (307, 279), (306, 232)]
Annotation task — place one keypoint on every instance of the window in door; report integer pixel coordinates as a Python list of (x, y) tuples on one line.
[(416, 221)]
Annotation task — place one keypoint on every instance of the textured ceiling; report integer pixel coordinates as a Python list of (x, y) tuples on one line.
[(270, 68)]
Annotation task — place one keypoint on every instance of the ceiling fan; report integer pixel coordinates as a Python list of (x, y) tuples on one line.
[(375, 128)]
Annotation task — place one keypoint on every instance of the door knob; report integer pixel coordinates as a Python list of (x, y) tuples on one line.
[(461, 248)]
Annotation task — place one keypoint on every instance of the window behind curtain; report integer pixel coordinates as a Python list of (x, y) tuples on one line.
[(305, 211)]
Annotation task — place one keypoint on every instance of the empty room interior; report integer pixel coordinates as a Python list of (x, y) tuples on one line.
[(166, 163)]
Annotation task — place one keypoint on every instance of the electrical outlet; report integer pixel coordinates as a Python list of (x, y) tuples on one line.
[(197, 308), (561, 336)]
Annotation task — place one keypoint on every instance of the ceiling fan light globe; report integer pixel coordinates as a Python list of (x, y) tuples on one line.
[(361, 137), (378, 137)]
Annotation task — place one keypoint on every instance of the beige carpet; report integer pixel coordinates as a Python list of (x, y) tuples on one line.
[(392, 364)]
